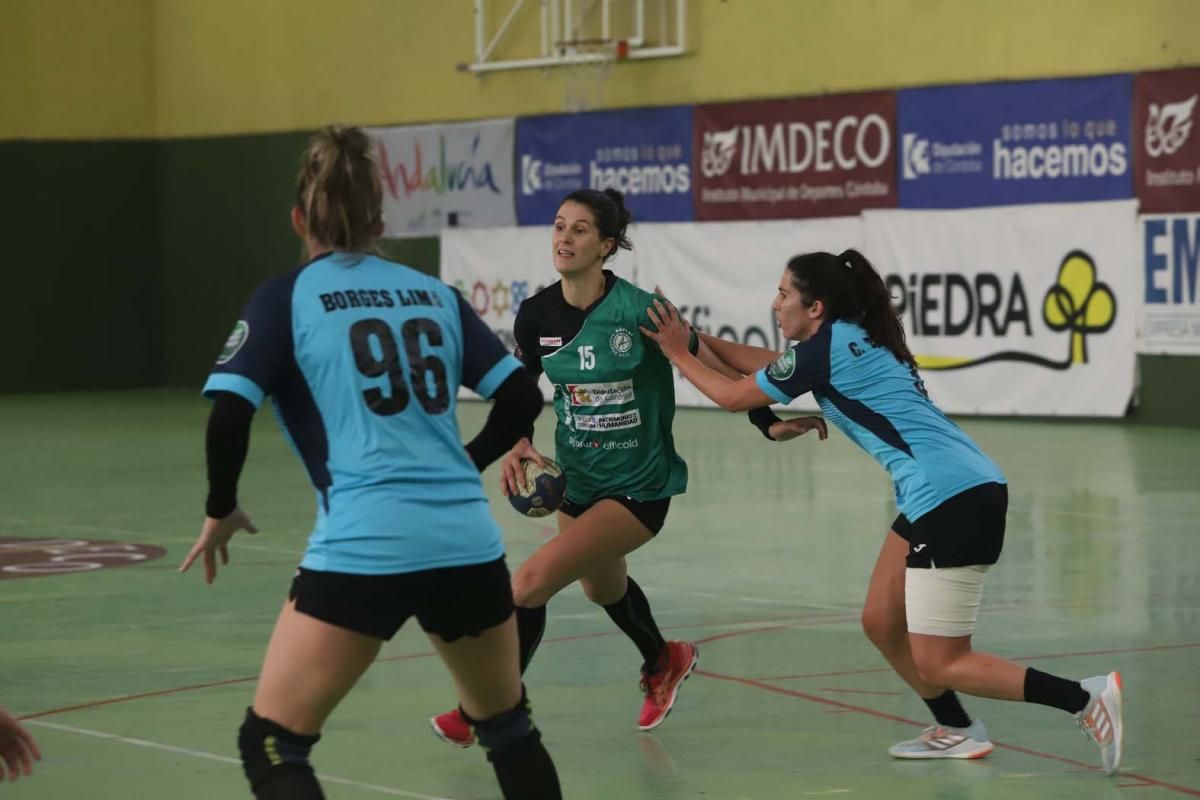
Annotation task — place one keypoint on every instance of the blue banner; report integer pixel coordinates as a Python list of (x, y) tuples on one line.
[(1005, 143), (645, 153)]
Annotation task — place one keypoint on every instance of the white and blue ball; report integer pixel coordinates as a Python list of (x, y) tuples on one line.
[(543, 491)]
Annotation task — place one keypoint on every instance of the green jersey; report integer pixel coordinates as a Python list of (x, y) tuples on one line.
[(614, 392)]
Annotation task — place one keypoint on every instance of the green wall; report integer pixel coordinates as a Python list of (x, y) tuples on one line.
[(1170, 386), (81, 305), (223, 217), (223, 208)]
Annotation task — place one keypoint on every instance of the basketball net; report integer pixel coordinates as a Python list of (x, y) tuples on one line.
[(583, 83)]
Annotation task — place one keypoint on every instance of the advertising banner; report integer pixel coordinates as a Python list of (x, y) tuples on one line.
[(438, 176), (498, 269), (1016, 310), (1167, 153), (1007, 143), (1170, 314), (804, 157), (644, 153)]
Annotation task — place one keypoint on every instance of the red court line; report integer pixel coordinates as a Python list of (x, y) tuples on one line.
[(855, 691), (795, 621), (834, 674), (1043, 657), (805, 696), (129, 697), (1150, 649), (757, 684), (805, 624), (730, 634)]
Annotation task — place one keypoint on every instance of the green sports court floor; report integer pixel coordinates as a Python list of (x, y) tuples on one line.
[(134, 679)]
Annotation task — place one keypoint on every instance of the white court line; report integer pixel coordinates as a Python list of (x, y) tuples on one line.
[(66, 526), (294, 553), (223, 759)]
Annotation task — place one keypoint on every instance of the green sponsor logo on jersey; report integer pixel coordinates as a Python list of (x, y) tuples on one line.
[(783, 367), (241, 332), (621, 342)]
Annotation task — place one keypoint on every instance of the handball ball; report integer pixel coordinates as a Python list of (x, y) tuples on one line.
[(544, 489)]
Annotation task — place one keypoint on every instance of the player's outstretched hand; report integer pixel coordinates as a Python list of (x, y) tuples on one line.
[(672, 332), (791, 428), (214, 538), (511, 474), (18, 750)]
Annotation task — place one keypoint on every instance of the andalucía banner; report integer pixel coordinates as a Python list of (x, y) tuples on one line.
[(446, 176)]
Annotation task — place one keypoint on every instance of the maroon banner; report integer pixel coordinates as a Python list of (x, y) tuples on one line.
[(803, 157), (1167, 146)]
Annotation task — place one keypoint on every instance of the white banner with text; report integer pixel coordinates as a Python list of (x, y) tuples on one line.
[(446, 176), (1027, 310)]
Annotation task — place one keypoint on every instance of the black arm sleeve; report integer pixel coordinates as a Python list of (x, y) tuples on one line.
[(226, 443), (763, 418), (515, 405), (528, 350)]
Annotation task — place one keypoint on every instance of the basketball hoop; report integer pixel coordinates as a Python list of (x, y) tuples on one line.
[(585, 75)]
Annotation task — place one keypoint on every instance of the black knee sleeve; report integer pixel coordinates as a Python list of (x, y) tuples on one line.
[(275, 760), (508, 732)]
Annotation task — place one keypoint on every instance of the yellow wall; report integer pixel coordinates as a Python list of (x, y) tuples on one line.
[(129, 68), (292, 64), (72, 69)]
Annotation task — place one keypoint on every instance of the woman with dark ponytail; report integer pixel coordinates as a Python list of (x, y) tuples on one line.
[(614, 395), (926, 587)]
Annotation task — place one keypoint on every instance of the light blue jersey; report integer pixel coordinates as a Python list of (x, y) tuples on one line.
[(362, 359), (881, 404)]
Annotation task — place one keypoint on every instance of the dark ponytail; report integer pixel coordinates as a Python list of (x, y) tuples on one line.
[(611, 215), (852, 290)]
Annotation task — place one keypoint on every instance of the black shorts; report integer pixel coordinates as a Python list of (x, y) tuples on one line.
[(451, 602), (651, 513), (966, 530)]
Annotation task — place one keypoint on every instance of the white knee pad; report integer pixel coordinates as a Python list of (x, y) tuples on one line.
[(943, 602)]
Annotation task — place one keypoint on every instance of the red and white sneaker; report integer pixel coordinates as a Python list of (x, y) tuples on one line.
[(662, 687), (942, 741), (453, 728), (1102, 719)]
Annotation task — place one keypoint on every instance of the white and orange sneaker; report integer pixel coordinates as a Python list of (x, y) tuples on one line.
[(453, 728), (942, 741), (662, 687), (1101, 719)]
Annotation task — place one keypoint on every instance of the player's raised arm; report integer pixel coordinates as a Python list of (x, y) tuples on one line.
[(745, 358), (672, 335)]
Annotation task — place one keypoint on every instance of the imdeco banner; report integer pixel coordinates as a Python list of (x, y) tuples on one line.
[(826, 156)]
